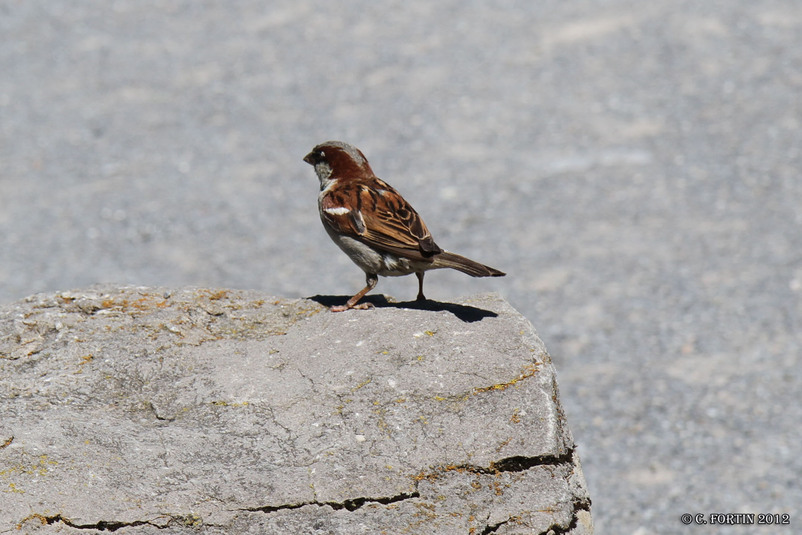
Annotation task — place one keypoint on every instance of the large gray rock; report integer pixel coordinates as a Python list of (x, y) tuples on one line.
[(144, 410)]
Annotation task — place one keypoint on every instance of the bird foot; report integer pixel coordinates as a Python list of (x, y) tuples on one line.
[(360, 306)]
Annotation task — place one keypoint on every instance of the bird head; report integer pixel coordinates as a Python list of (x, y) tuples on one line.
[(334, 160)]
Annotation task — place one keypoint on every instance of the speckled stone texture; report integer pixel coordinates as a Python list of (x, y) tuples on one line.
[(145, 410)]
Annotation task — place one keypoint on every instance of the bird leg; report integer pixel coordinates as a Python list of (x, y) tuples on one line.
[(421, 297), (371, 280)]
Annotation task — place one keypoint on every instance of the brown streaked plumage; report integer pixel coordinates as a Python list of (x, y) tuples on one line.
[(374, 225)]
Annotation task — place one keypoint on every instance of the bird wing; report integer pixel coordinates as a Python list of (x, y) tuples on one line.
[(378, 216)]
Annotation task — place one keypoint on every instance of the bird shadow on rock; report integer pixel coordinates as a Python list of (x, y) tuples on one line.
[(465, 313)]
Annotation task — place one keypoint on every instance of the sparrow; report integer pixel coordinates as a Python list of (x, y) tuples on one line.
[(373, 224)]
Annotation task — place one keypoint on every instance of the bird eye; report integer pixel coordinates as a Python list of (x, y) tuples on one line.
[(321, 154)]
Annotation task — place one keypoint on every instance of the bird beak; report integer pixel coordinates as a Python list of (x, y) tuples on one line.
[(309, 158)]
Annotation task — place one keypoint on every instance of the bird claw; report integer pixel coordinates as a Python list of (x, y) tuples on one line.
[(360, 306)]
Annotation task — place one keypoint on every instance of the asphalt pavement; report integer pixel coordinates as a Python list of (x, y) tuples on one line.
[(633, 166)]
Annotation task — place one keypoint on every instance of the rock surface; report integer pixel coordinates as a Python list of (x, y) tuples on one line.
[(145, 410)]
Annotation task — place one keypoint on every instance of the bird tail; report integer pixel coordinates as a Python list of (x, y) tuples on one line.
[(466, 265)]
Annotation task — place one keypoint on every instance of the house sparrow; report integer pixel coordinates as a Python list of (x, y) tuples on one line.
[(373, 224)]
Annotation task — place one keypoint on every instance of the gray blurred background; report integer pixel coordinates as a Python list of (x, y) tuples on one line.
[(633, 166)]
